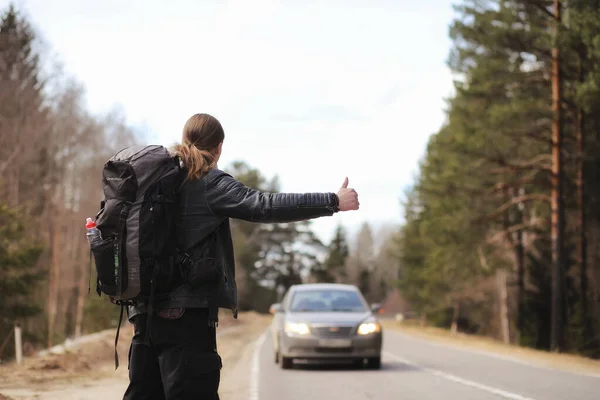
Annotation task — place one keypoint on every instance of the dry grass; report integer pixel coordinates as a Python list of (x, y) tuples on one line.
[(74, 362), (95, 356), (88, 371), (565, 362)]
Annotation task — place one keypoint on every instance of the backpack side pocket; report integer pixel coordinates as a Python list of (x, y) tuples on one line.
[(107, 259)]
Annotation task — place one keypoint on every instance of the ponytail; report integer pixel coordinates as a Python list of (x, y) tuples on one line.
[(198, 162), (201, 133)]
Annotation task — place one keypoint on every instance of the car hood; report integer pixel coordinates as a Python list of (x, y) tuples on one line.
[(334, 318)]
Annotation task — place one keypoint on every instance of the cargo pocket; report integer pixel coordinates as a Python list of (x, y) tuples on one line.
[(199, 363), (197, 376), (107, 260)]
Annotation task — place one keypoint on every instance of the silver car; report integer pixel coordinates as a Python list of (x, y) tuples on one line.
[(325, 322)]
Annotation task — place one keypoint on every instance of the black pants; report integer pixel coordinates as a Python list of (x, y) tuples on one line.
[(181, 362)]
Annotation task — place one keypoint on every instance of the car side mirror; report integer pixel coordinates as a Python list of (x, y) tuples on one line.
[(275, 308), (376, 307)]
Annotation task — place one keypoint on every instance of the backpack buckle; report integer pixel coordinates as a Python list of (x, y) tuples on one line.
[(184, 258)]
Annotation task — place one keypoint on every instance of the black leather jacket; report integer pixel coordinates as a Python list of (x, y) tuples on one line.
[(206, 206)]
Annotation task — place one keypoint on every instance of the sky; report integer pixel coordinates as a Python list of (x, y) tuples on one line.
[(311, 91)]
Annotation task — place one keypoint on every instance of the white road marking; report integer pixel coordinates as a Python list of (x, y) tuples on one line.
[(457, 379), (255, 368), (499, 356)]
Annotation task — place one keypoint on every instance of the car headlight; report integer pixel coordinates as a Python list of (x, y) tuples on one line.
[(297, 328), (369, 327)]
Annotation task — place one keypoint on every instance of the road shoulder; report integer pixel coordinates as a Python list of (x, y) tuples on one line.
[(493, 348)]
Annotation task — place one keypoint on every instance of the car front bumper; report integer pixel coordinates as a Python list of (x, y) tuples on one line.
[(310, 347)]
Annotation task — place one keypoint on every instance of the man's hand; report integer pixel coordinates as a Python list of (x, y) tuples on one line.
[(348, 197)]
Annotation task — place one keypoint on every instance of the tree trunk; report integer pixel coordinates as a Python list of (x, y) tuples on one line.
[(84, 270), (53, 278), (520, 261), (557, 320), (581, 203), (503, 301)]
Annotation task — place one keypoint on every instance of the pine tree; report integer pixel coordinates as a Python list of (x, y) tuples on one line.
[(338, 252), (23, 116)]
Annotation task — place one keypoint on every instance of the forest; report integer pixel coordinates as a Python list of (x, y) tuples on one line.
[(502, 224)]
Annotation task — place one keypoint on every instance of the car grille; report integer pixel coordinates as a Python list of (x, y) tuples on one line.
[(332, 331)]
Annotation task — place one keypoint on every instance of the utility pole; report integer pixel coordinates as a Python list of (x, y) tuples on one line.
[(557, 322)]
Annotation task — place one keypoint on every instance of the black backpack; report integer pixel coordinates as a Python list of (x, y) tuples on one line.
[(138, 221), (138, 258)]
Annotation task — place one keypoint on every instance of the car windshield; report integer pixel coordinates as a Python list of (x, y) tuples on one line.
[(327, 301)]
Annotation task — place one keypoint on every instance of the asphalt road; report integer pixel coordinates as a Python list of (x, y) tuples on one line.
[(417, 369)]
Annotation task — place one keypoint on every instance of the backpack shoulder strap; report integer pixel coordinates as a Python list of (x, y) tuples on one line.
[(183, 182), (182, 170)]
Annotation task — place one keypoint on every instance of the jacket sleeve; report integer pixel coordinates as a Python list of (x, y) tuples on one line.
[(228, 197)]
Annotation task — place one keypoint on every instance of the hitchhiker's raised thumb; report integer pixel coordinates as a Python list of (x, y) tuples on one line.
[(345, 184)]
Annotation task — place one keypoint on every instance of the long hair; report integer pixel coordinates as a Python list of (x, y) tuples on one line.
[(202, 134)]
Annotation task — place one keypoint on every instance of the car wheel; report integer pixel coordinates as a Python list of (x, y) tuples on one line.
[(286, 362), (374, 363)]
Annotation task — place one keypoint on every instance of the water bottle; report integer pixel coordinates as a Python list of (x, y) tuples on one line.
[(93, 233)]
